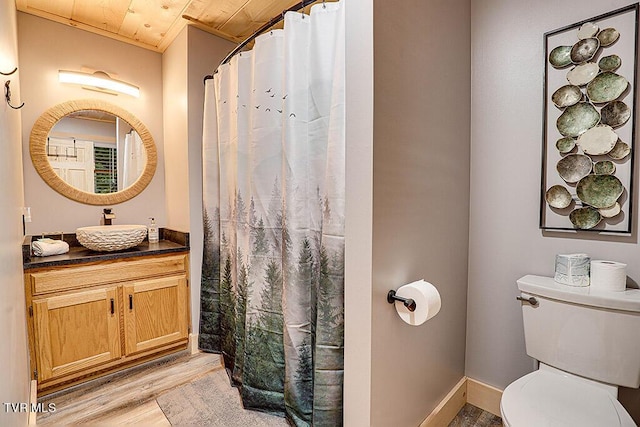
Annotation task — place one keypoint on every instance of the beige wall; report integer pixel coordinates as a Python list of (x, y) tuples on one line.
[(205, 52), (191, 56), (420, 200), (358, 211), (505, 242), (13, 350), (46, 47), (175, 109)]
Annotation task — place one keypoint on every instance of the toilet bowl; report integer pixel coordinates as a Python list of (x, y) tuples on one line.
[(586, 341), (549, 397)]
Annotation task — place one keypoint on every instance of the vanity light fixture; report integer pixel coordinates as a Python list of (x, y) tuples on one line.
[(99, 81)]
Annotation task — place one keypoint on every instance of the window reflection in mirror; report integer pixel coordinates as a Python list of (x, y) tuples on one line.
[(96, 152)]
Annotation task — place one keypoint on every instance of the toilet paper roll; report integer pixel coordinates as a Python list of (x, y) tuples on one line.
[(427, 300), (608, 275), (572, 269)]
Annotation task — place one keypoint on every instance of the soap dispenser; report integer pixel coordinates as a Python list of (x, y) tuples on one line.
[(153, 231)]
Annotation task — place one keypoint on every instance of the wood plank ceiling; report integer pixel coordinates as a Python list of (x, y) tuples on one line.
[(154, 24)]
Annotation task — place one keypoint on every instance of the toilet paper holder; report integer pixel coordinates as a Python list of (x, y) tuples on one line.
[(408, 302)]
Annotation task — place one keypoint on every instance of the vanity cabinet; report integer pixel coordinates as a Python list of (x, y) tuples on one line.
[(75, 331), (155, 313), (91, 319)]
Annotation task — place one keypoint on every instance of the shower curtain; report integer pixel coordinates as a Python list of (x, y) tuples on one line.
[(272, 274), (134, 159)]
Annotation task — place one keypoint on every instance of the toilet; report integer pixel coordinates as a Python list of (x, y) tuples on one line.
[(587, 343)]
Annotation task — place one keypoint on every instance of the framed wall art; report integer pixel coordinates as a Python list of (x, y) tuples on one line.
[(589, 124)]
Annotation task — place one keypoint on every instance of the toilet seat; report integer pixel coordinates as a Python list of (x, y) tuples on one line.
[(549, 399)]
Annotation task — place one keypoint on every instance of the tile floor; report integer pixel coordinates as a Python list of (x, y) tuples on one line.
[(470, 416)]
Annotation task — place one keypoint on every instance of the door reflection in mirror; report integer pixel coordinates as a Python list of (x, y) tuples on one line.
[(96, 152)]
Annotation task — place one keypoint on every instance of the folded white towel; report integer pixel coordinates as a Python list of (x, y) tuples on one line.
[(46, 247)]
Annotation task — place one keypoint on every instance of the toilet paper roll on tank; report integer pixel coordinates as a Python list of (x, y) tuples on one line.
[(427, 300), (608, 275), (572, 269), (581, 270)]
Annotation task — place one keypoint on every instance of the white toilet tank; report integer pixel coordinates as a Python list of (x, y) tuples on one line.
[(591, 333)]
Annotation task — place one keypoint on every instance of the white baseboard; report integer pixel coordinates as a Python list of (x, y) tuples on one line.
[(193, 344), (467, 390)]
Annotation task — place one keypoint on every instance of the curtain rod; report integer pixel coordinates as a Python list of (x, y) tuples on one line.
[(271, 23)]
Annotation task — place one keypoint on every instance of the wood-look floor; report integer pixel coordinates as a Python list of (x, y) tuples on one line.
[(127, 398)]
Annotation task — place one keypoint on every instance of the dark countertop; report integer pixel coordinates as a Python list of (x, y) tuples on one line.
[(170, 241)]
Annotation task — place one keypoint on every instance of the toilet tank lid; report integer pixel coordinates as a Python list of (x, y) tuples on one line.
[(628, 300)]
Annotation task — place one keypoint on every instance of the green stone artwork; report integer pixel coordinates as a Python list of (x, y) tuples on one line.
[(585, 218), (605, 87), (560, 57), (610, 63), (577, 119), (599, 191), (590, 97)]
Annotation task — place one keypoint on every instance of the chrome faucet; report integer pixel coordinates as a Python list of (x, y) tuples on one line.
[(108, 216)]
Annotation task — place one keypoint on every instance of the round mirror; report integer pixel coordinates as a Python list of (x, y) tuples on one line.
[(93, 152)]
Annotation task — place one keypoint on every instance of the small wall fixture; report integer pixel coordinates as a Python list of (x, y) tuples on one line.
[(99, 81), (408, 302), (7, 95), (10, 72), (7, 89)]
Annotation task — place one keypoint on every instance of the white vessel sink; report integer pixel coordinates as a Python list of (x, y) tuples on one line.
[(111, 237)]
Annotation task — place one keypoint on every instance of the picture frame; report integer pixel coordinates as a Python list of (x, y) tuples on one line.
[(589, 124)]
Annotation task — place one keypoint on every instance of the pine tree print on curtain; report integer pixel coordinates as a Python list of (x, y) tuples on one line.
[(273, 263)]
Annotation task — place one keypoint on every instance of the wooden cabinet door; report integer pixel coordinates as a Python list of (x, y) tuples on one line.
[(76, 331), (155, 312)]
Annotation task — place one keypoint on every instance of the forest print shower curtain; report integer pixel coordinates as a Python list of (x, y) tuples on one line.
[(273, 265)]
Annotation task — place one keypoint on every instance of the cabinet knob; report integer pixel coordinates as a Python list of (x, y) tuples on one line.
[(113, 306), (130, 302)]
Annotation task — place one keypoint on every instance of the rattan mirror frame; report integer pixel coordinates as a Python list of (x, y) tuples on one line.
[(38, 142)]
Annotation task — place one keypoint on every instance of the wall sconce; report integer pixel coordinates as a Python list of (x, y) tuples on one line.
[(99, 81)]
